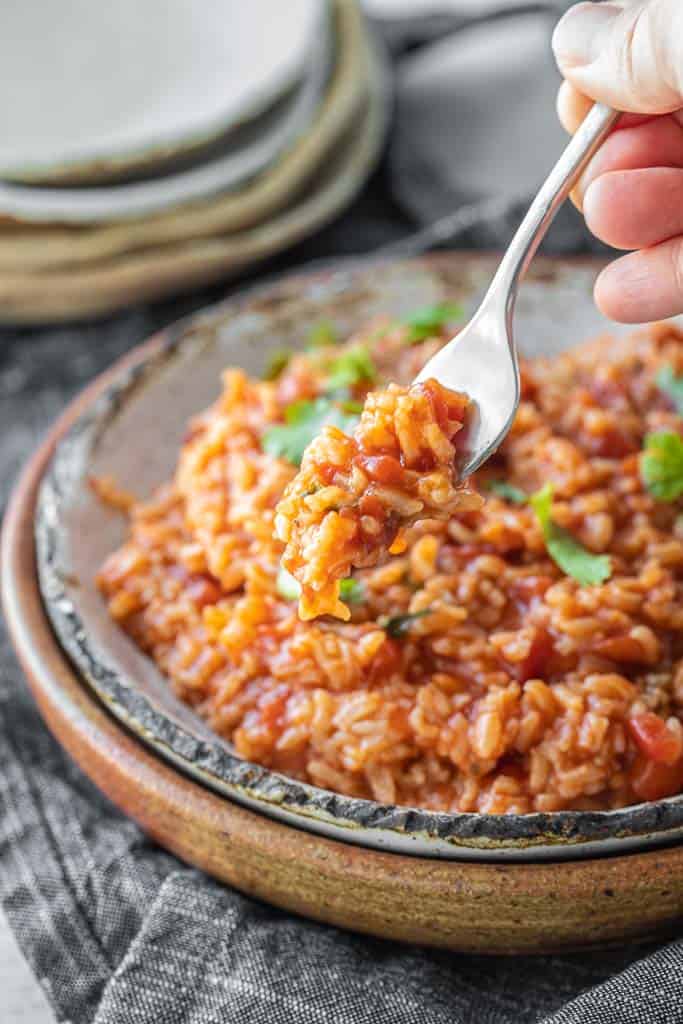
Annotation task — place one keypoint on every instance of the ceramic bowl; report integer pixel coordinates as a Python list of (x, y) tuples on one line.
[(132, 430)]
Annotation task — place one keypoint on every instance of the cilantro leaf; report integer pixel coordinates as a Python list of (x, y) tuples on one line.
[(661, 465), (565, 550), (399, 625), (672, 386), (351, 405), (322, 334), (298, 412), (351, 368), (505, 490), (430, 319), (277, 363), (303, 421), (352, 591), (287, 586)]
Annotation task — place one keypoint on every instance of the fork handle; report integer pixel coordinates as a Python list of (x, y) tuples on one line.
[(555, 189)]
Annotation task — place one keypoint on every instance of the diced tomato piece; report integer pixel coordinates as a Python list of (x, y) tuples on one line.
[(654, 738), (423, 463), (326, 472), (371, 506), (528, 386), (202, 590), (198, 586), (449, 408), (513, 767), (613, 444), (652, 780), (385, 469), (386, 660), (534, 665)]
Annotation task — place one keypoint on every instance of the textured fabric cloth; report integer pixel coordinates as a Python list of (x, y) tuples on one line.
[(119, 932)]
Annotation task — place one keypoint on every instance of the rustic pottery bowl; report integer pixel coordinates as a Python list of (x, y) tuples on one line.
[(467, 881)]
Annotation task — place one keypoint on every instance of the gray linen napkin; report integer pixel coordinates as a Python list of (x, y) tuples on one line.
[(119, 932)]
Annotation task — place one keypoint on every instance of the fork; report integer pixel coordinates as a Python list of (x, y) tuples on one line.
[(481, 360)]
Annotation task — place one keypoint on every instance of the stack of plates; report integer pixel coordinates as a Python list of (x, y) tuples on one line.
[(149, 148)]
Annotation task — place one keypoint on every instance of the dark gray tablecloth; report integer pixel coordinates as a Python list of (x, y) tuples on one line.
[(119, 932)]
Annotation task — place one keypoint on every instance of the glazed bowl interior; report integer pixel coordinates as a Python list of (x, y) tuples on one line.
[(132, 431)]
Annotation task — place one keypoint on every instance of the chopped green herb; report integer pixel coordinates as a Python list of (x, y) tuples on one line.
[(565, 550), (430, 319), (303, 421), (399, 625), (352, 591), (297, 412), (276, 364), (322, 334), (671, 385), (287, 586), (351, 405), (661, 465), (508, 491), (351, 368)]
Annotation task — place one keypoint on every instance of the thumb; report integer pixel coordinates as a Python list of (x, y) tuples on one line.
[(628, 53)]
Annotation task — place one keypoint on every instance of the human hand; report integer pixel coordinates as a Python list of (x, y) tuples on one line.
[(629, 54)]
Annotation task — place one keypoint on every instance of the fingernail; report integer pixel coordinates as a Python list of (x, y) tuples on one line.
[(579, 36)]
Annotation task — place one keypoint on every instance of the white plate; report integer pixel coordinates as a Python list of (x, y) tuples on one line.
[(98, 287), (91, 87), (262, 143)]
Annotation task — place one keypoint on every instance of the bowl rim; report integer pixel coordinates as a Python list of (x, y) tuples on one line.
[(461, 835)]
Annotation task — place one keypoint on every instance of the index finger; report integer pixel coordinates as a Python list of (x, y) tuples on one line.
[(572, 107)]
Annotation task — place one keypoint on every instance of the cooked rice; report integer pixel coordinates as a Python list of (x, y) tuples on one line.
[(354, 495), (473, 675)]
